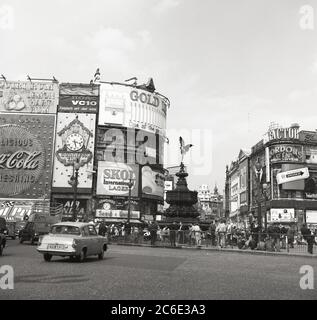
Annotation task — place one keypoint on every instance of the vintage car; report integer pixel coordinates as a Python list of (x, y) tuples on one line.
[(76, 240), (2, 234)]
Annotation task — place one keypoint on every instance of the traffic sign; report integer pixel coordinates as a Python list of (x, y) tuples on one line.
[(292, 175)]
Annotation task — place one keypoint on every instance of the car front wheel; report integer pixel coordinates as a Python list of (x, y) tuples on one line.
[(101, 255), (47, 257), (82, 256)]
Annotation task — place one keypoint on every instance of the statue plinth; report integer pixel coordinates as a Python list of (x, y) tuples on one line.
[(181, 200)]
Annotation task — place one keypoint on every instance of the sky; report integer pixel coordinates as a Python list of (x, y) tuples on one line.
[(228, 67)]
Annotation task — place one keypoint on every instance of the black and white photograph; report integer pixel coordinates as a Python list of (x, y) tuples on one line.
[(158, 155)]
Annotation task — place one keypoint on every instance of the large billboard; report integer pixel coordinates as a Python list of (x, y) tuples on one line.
[(132, 107), (114, 178), (281, 215), (79, 98), (28, 97), (138, 146), (286, 153), (75, 135), (152, 182), (108, 208), (26, 147)]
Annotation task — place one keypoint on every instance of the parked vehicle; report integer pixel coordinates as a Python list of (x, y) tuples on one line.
[(2, 235), (76, 240), (36, 226), (11, 230)]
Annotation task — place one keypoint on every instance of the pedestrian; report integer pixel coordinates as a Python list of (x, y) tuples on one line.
[(212, 232), (102, 229), (197, 234), (173, 229), (291, 236), (307, 235), (153, 227), (181, 233), (221, 231)]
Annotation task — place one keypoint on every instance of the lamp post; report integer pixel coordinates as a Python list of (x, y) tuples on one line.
[(75, 184), (130, 185), (265, 200), (258, 170)]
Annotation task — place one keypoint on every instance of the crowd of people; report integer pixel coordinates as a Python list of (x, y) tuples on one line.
[(220, 233)]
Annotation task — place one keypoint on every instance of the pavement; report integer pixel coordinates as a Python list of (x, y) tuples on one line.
[(147, 273), (294, 253)]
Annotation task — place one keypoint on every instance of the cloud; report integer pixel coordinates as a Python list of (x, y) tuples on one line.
[(299, 95), (117, 52), (165, 5)]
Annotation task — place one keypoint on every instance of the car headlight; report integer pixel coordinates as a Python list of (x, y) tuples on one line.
[(74, 244)]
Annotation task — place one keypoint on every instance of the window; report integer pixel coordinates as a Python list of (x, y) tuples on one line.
[(85, 232), (92, 230)]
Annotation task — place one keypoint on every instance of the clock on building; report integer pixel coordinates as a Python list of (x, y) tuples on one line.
[(74, 142)]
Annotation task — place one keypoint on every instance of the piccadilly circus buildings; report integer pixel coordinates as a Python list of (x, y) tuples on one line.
[(275, 180), (109, 136)]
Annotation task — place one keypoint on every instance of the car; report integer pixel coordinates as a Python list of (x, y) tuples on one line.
[(3, 240), (76, 240)]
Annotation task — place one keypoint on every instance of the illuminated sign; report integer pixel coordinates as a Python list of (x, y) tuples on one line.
[(25, 155), (283, 133), (281, 215), (28, 97), (152, 182), (292, 153), (131, 107), (75, 136), (79, 104), (117, 209), (113, 179)]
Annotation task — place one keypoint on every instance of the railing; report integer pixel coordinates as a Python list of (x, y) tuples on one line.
[(272, 242)]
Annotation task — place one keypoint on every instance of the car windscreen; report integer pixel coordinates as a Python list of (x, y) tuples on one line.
[(65, 230)]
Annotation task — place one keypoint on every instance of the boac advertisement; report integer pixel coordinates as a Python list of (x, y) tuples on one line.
[(26, 146)]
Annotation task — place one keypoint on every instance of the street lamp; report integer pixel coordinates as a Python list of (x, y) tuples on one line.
[(75, 184), (265, 186), (258, 170), (130, 185)]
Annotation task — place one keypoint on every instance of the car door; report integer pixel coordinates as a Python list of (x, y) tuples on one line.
[(93, 239)]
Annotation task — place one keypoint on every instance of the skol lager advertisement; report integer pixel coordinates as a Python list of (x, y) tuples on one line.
[(26, 146), (114, 178), (28, 97)]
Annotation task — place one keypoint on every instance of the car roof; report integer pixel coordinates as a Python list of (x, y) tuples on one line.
[(73, 224)]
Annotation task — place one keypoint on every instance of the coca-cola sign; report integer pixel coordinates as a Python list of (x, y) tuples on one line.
[(25, 157), (20, 160)]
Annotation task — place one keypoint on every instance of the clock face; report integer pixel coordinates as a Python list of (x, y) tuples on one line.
[(74, 142)]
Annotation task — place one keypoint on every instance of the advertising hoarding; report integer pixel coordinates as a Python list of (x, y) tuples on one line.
[(108, 208), (15, 210), (79, 89), (281, 215), (152, 182), (75, 134), (78, 98), (311, 216), (139, 146), (286, 152), (78, 104), (132, 107), (113, 179), (26, 146), (28, 97), (81, 207)]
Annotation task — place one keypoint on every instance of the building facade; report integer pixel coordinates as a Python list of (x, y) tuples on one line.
[(104, 137), (283, 152)]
